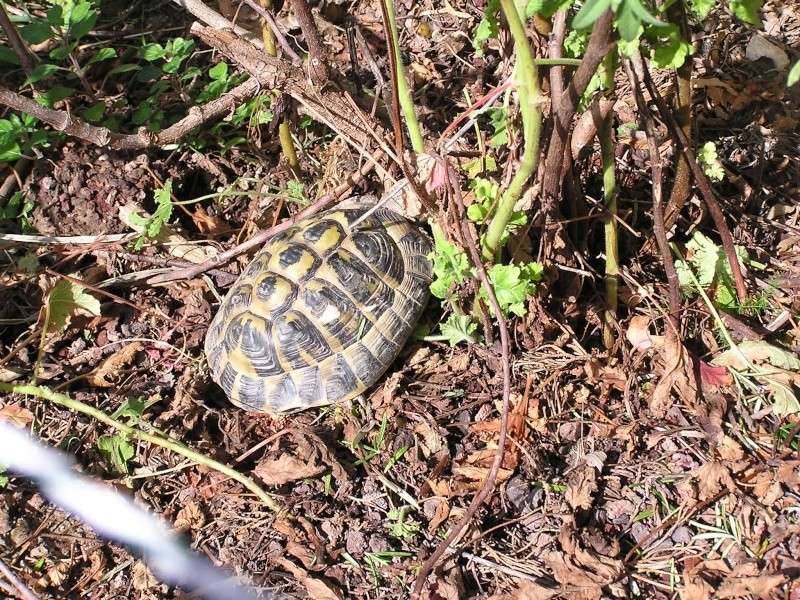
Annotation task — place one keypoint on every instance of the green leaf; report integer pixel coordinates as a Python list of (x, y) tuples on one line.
[(450, 265), (512, 285), (701, 8), (488, 27), (748, 11), (55, 16), (41, 72), (101, 55), (712, 167), (36, 32), (794, 74), (81, 19), (672, 53), (94, 113), (8, 56), (62, 52), (459, 328), (53, 95), (131, 410), (476, 166), (151, 226), (498, 118), (545, 8), (66, 300), (589, 13), (124, 68), (575, 43), (219, 71), (151, 52), (10, 152), (117, 450)]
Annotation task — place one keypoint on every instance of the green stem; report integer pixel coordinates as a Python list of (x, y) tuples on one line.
[(403, 91), (528, 75), (284, 134), (157, 440), (606, 137)]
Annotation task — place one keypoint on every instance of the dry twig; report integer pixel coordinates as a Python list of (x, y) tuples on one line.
[(488, 484)]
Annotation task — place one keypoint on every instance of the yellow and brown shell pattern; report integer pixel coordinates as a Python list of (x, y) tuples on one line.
[(321, 311)]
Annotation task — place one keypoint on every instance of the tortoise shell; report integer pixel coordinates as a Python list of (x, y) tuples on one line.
[(322, 310)]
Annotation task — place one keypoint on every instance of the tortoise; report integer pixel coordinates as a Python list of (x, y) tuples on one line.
[(322, 310)]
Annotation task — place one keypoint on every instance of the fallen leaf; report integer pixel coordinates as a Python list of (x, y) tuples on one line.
[(190, 517), (717, 376), (16, 415), (67, 299), (581, 485), (316, 588), (638, 334), (759, 586), (284, 469), (677, 375), (112, 364), (208, 224), (711, 478)]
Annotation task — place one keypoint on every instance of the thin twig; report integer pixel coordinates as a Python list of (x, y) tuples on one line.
[(101, 136), (702, 184), (658, 203), (318, 56), (488, 484), (23, 590), (276, 32), (26, 58), (155, 439)]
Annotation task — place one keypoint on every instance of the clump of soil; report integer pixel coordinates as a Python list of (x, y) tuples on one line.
[(81, 193)]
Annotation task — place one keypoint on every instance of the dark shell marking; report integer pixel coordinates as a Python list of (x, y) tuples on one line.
[(322, 310)]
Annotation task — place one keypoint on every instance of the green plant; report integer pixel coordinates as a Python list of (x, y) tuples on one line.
[(18, 135), (400, 526), (151, 226), (711, 268), (712, 167), (18, 208), (513, 284)]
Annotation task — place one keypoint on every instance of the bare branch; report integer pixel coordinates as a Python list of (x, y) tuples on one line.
[(26, 58), (61, 120)]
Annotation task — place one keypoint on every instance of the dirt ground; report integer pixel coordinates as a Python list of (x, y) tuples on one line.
[(609, 486)]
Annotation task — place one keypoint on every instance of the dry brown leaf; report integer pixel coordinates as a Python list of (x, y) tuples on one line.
[(190, 517), (529, 590), (789, 472), (711, 478), (638, 334), (112, 364), (316, 588), (581, 485), (208, 224), (694, 588), (284, 469), (480, 473), (16, 415), (677, 374), (441, 513), (759, 586)]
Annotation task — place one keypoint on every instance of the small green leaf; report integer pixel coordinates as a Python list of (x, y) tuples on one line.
[(450, 265), (124, 68), (151, 52), (117, 450), (712, 167), (701, 8), (55, 16), (36, 32), (151, 227), (101, 55), (748, 11), (545, 8), (488, 27), (575, 43), (672, 53), (94, 113), (498, 118), (10, 152), (41, 72), (476, 166), (218, 71), (53, 95), (82, 19), (459, 328), (512, 285), (794, 74), (589, 13), (131, 410), (66, 300), (8, 56)]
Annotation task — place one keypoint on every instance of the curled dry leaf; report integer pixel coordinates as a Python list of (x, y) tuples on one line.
[(581, 486), (16, 415), (712, 477), (316, 588), (112, 364), (678, 374), (759, 586), (190, 517), (284, 469), (638, 334)]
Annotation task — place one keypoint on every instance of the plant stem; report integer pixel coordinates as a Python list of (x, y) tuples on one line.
[(605, 134), (528, 75), (403, 91), (284, 134), (26, 58), (157, 440)]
